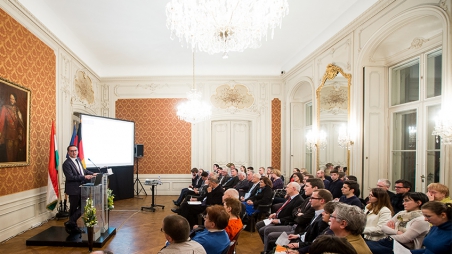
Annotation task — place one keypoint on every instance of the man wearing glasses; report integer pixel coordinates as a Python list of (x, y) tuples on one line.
[(401, 187), (75, 175)]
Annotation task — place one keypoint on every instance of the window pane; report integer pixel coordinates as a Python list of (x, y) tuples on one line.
[(405, 83), (308, 161), (404, 167), (434, 70), (405, 130), (309, 114), (433, 147)]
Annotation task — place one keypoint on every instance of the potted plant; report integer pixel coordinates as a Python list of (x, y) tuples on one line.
[(90, 220)]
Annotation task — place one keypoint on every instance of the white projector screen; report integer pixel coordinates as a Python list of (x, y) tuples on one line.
[(107, 141)]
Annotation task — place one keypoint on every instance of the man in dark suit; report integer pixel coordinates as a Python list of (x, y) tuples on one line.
[(196, 184), (254, 187), (232, 181), (336, 184), (214, 196), (243, 185), (75, 176), (284, 214)]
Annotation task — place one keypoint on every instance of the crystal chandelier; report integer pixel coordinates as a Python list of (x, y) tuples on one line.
[(221, 26), (194, 110), (316, 140), (344, 138), (443, 128)]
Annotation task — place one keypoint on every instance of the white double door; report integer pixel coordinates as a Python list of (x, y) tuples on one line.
[(231, 142)]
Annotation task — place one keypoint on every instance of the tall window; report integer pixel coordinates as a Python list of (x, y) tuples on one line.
[(415, 99)]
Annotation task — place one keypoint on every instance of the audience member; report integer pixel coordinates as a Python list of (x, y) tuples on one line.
[(242, 169), (243, 184), (283, 216), (177, 230), (321, 175), (384, 184), (328, 168), (269, 173), (349, 189), (401, 187), (439, 239), (213, 197), (330, 244), (353, 178), (214, 238), (262, 171), (276, 179), (335, 184), (349, 221), (342, 176), (223, 176), (438, 192), (263, 196), (407, 227), (378, 212), (233, 207), (215, 168), (295, 170), (232, 181), (254, 187), (318, 200)]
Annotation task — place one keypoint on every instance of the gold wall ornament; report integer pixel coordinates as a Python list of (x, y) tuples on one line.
[(84, 87), (237, 96)]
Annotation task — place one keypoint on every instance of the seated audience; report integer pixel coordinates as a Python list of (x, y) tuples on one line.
[(243, 168), (233, 207), (378, 212), (269, 173), (277, 182), (321, 175), (223, 176), (329, 244), (214, 238), (401, 187), (407, 227), (177, 230), (348, 221), (439, 239), (349, 189), (438, 192), (384, 184), (253, 188), (262, 171), (197, 188), (263, 196)]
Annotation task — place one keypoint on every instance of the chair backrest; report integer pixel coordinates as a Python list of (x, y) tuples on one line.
[(231, 248), (226, 250)]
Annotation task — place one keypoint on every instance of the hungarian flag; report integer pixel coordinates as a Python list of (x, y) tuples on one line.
[(79, 143), (52, 184)]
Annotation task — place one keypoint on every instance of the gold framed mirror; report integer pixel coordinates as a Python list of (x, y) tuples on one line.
[(333, 113)]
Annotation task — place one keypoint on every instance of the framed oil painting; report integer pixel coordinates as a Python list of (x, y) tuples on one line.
[(14, 124)]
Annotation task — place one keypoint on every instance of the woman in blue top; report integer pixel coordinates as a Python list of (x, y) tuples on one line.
[(439, 239), (214, 238)]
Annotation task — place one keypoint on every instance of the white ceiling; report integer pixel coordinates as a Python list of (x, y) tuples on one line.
[(129, 38)]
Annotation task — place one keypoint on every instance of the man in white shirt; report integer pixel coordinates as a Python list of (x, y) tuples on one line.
[(177, 231)]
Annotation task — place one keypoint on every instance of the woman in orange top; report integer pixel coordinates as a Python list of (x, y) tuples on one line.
[(233, 207)]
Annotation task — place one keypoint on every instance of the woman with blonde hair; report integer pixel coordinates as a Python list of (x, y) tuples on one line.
[(276, 180), (378, 212), (233, 207), (438, 192)]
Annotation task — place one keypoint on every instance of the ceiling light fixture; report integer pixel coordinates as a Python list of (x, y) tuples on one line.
[(194, 110), (222, 26)]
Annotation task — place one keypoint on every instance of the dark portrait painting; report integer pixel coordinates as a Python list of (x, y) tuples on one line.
[(14, 124)]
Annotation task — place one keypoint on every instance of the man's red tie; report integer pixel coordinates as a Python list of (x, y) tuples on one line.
[(279, 210)]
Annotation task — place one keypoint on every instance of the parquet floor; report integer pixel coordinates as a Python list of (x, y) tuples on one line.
[(137, 231)]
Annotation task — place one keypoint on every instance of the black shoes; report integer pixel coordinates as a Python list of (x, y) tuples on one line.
[(175, 203), (175, 210), (71, 229)]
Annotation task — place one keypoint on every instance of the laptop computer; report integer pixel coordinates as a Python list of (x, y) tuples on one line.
[(96, 182)]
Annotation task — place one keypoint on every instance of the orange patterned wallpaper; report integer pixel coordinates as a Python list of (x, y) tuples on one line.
[(166, 139), (276, 134), (27, 61)]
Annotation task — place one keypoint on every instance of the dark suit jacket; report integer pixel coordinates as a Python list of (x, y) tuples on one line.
[(285, 215), (231, 182), (215, 197), (313, 230), (242, 187), (335, 188), (253, 192), (263, 197), (223, 179), (194, 180), (73, 177)]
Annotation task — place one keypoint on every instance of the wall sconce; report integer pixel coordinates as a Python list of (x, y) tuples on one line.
[(443, 128), (316, 140), (344, 138)]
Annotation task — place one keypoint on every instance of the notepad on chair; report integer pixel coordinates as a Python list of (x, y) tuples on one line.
[(194, 202)]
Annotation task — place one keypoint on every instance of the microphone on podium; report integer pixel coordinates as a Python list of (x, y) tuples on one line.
[(95, 165)]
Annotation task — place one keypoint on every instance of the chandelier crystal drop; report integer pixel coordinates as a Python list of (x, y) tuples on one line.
[(222, 26), (194, 110)]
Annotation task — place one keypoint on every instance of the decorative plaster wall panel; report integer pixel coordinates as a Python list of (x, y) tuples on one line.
[(276, 133)]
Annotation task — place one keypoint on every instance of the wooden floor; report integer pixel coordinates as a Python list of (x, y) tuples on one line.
[(137, 231)]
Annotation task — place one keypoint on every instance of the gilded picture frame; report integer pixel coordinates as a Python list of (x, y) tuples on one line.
[(15, 101)]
